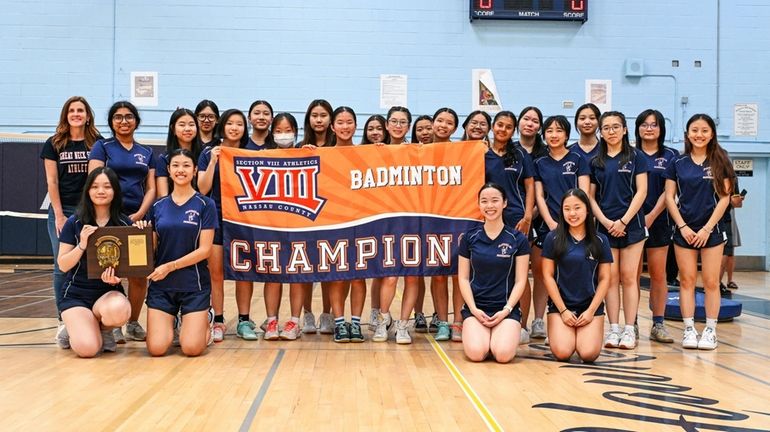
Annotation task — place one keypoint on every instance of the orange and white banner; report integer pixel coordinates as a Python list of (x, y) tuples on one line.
[(302, 215)]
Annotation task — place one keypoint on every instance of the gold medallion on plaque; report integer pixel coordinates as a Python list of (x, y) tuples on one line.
[(108, 251)]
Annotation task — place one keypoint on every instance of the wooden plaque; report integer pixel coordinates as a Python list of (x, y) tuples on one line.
[(127, 248)]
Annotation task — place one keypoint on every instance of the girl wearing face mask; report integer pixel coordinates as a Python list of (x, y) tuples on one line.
[(422, 131), (375, 130), (207, 114), (182, 133), (555, 174), (587, 123), (318, 133), (260, 117), (476, 126), (618, 190), (232, 130), (698, 187)]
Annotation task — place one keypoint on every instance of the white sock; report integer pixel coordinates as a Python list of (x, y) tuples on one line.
[(711, 323), (630, 329), (688, 322), (271, 318), (295, 320), (615, 328)]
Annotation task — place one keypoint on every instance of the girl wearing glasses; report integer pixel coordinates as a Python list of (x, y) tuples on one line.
[(375, 130), (182, 133), (135, 166), (476, 126), (702, 180), (618, 191), (232, 130), (207, 114), (65, 159), (260, 117), (587, 123), (650, 135)]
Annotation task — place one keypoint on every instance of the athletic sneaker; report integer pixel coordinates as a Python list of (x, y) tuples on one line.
[(263, 326), (420, 323), (326, 324), (108, 341), (117, 334), (612, 340), (402, 332), (308, 322), (356, 336), (177, 325), (134, 331), (373, 319), (627, 340), (245, 330), (457, 332), (538, 329), (62, 338), (290, 331), (659, 333), (218, 331), (433, 326), (341, 333), (690, 338), (442, 331), (524, 337), (271, 331), (708, 339), (381, 332)]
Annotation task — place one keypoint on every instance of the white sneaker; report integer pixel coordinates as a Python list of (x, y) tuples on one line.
[(402, 333), (627, 340), (381, 332), (612, 340), (373, 319), (308, 322), (62, 338), (538, 329), (326, 324), (524, 337), (690, 338), (708, 339)]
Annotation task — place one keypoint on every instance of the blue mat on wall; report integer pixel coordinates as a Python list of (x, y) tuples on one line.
[(728, 310)]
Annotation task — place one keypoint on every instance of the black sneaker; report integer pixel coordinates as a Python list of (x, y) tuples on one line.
[(433, 326), (420, 324), (341, 333), (724, 292), (355, 333)]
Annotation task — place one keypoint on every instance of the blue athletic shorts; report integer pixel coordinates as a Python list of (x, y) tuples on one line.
[(577, 309), (716, 237), (74, 297), (515, 315), (660, 234), (171, 302), (633, 235)]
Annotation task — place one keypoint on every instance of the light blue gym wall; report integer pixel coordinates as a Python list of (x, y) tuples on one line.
[(290, 52)]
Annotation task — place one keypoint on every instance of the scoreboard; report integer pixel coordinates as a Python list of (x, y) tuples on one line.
[(546, 10)]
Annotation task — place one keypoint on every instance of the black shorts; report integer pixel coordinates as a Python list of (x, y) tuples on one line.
[(74, 297), (659, 234), (634, 234), (171, 302), (729, 248), (576, 309), (515, 315), (540, 231), (716, 237)]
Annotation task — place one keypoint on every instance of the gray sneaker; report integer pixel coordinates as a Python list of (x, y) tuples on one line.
[(402, 333), (117, 334), (108, 341), (538, 329), (659, 333), (62, 338), (308, 322), (373, 319), (326, 324), (134, 331), (381, 332)]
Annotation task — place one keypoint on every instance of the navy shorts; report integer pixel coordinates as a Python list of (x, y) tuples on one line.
[(541, 230), (171, 302), (716, 237), (74, 297), (515, 315), (729, 248), (577, 310), (634, 234), (660, 234)]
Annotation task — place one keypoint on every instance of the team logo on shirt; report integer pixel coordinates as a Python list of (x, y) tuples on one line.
[(569, 167), (192, 217), (660, 163), (288, 185), (505, 250), (707, 174), (626, 167), (140, 159)]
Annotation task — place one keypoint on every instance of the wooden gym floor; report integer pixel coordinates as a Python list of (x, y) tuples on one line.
[(314, 384)]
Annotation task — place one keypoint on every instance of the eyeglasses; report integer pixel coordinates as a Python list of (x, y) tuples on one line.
[(395, 122), (120, 118), (476, 123), (207, 117), (613, 128), (648, 126)]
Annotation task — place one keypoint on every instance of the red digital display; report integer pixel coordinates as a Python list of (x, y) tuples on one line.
[(485, 4), (577, 5)]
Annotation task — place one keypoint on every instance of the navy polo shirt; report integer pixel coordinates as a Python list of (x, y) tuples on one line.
[(616, 184), (215, 192), (511, 179), (695, 188), (575, 148), (131, 166), (493, 264), (576, 275), (559, 176), (656, 183)]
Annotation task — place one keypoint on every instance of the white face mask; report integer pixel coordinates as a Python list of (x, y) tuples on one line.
[(284, 140)]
